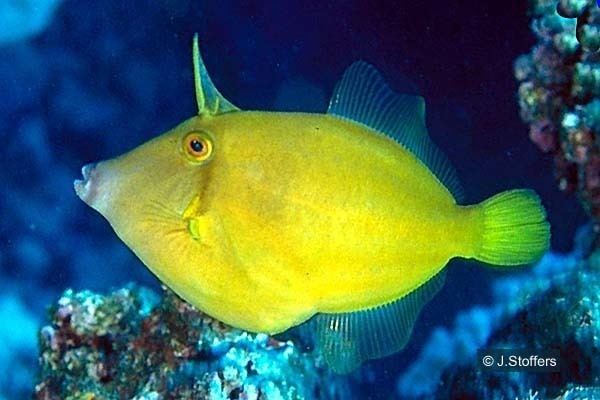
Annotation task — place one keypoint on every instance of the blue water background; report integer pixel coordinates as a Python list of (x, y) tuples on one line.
[(107, 76)]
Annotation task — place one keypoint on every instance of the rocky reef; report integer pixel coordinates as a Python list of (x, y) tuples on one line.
[(559, 93), (554, 306), (133, 344), (566, 317)]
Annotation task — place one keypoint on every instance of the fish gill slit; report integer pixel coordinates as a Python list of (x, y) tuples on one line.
[(203, 193)]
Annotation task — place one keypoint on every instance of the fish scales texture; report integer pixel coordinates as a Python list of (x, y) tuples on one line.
[(267, 220)]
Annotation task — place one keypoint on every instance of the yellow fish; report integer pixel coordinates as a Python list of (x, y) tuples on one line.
[(266, 220)]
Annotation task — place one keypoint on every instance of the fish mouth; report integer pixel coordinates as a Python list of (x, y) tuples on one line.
[(86, 188)]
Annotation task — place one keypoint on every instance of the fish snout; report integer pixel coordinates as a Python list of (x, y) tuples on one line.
[(88, 188)]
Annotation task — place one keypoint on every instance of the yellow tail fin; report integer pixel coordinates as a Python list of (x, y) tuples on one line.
[(515, 230)]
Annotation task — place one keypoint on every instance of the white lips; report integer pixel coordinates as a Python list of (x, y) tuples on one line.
[(83, 187)]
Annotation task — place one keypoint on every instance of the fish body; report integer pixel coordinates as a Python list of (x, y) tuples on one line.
[(267, 220), (304, 213)]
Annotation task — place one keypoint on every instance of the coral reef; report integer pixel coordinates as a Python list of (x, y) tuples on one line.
[(588, 21), (556, 306), (565, 317), (131, 344), (473, 328), (559, 93)]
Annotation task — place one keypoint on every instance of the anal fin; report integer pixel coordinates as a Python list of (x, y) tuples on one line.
[(348, 339)]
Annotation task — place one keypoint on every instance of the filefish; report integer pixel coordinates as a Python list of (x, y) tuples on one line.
[(341, 222)]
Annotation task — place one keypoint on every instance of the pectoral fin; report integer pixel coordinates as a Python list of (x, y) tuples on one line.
[(200, 225)]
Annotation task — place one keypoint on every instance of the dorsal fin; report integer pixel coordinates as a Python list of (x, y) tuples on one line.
[(208, 98), (348, 339), (363, 96)]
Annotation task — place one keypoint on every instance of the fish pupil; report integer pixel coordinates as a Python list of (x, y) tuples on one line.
[(197, 146)]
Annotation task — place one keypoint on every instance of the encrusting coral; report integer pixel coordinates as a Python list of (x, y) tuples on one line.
[(559, 93), (588, 21), (133, 344)]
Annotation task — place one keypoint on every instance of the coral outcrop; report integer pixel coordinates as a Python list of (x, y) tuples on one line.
[(132, 344), (566, 317), (555, 306), (559, 93)]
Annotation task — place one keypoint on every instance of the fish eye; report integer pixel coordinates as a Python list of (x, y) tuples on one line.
[(197, 146)]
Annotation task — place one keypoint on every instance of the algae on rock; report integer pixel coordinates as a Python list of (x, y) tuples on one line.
[(133, 344)]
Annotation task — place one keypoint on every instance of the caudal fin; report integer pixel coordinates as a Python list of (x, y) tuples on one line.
[(515, 230)]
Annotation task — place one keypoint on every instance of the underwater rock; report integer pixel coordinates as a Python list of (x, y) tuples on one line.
[(565, 317), (133, 344), (556, 306), (559, 93), (473, 328)]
